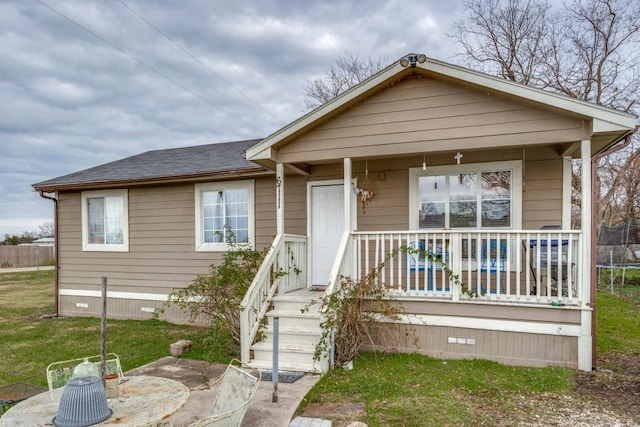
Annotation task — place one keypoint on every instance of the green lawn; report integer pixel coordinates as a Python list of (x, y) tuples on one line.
[(395, 389), (414, 390), (618, 324), (28, 343)]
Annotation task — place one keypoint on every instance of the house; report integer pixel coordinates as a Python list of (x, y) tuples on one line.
[(474, 169)]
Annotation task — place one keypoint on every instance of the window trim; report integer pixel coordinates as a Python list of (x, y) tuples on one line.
[(105, 247), (514, 166), (200, 245)]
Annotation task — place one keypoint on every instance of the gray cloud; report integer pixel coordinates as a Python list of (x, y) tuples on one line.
[(71, 101)]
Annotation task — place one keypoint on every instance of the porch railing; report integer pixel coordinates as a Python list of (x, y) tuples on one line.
[(343, 263), (538, 267), (284, 269)]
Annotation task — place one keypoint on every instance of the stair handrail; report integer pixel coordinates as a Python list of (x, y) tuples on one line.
[(255, 302), (339, 267)]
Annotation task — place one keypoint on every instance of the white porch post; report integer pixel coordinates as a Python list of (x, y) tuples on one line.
[(566, 192), (347, 194), (585, 339), (279, 198)]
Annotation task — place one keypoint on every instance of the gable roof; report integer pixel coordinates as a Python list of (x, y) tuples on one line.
[(608, 125), (187, 163)]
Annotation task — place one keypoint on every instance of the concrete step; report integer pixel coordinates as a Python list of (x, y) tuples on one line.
[(300, 367)]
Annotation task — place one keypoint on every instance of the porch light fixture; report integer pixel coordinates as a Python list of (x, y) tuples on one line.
[(424, 163), (412, 59)]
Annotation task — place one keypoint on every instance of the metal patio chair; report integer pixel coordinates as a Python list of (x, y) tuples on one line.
[(239, 385), (58, 373)]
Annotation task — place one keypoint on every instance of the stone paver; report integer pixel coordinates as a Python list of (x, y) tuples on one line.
[(309, 422)]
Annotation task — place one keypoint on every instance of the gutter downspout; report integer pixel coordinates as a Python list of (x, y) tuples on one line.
[(594, 225), (56, 249)]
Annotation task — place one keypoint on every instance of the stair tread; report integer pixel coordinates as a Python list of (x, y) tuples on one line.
[(267, 364), (284, 346), (297, 298), (292, 313), (298, 330)]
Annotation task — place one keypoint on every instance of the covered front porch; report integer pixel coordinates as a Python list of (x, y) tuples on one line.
[(468, 291), (459, 187), (529, 307)]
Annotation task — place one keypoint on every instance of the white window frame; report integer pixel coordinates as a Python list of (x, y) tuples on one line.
[(105, 247), (514, 166), (202, 246)]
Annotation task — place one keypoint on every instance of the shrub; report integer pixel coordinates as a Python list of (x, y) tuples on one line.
[(217, 295)]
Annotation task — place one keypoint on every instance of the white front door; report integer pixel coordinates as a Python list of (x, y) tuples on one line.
[(326, 224)]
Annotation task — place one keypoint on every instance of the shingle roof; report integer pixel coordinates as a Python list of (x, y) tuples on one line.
[(188, 162)]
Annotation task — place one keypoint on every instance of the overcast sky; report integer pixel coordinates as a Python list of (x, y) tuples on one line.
[(110, 85)]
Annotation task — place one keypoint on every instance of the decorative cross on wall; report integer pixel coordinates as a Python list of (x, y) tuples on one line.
[(458, 157)]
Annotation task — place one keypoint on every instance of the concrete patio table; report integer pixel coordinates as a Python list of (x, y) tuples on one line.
[(142, 401)]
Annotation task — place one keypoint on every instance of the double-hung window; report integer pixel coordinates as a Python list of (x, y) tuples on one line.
[(105, 221), (479, 196), (224, 215)]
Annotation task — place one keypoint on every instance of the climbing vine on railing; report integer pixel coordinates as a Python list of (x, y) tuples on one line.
[(366, 312)]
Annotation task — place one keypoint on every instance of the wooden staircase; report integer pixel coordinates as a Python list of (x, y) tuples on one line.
[(299, 333)]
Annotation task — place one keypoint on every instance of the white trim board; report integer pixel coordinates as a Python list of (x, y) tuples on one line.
[(558, 329), (110, 294)]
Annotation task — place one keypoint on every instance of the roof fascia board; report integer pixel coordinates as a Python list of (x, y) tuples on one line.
[(261, 155), (604, 126), (152, 181)]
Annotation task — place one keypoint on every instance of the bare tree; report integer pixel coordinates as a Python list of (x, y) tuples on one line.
[(507, 39), (620, 200), (46, 229), (594, 55), (587, 49), (347, 71)]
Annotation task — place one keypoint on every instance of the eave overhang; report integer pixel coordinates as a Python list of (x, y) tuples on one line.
[(178, 179)]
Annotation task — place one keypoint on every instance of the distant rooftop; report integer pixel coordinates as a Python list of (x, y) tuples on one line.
[(160, 165)]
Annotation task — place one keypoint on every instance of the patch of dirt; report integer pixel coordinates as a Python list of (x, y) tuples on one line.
[(341, 413), (602, 398), (617, 387)]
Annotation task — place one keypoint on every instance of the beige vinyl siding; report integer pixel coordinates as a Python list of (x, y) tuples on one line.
[(389, 181), (265, 215), (162, 256), (426, 115), (295, 215), (542, 197), (511, 348), (517, 348)]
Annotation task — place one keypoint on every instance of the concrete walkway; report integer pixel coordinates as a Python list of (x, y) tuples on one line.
[(202, 379), (21, 269)]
